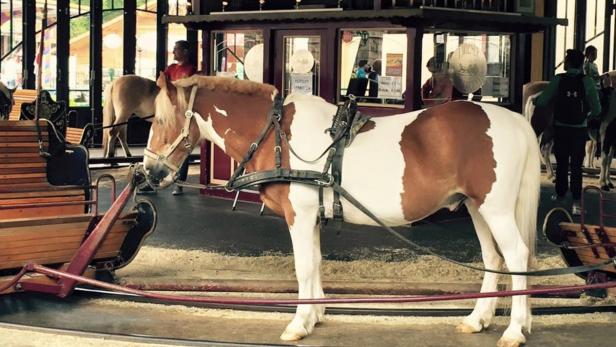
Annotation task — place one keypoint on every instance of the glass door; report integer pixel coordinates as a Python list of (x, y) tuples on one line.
[(298, 66)]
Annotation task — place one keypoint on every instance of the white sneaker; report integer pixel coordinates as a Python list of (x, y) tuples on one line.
[(178, 190)]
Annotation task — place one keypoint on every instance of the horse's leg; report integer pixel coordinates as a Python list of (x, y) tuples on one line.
[(484, 308), (546, 151), (590, 153), (307, 255), (111, 146), (122, 138), (516, 253), (608, 166), (605, 167)]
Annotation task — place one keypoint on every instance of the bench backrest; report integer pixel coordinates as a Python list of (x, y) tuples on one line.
[(21, 96), (23, 174)]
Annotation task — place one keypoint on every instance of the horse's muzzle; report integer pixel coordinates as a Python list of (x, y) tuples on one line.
[(158, 174)]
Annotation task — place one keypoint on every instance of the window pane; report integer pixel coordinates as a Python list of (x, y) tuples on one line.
[(49, 63), (12, 68), (113, 4), (302, 60), (373, 66), (79, 61), (178, 7), (175, 33), (595, 15), (438, 50), (51, 13), (113, 46), (239, 55), (146, 5), (10, 20), (564, 34), (145, 59)]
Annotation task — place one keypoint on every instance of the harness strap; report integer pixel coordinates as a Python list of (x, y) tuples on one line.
[(274, 116), (547, 272), (182, 137)]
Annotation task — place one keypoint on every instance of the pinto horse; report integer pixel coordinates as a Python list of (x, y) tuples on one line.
[(124, 97), (402, 168)]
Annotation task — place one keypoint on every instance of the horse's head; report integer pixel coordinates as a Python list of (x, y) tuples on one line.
[(173, 135), (6, 100)]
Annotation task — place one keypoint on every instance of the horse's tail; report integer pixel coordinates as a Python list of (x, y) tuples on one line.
[(108, 118), (528, 196), (529, 108), (527, 204)]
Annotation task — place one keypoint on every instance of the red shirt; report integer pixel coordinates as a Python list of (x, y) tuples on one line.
[(175, 72)]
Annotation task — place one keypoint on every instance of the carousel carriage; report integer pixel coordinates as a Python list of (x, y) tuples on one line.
[(584, 244), (49, 210)]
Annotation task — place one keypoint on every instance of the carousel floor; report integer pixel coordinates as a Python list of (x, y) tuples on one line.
[(195, 221)]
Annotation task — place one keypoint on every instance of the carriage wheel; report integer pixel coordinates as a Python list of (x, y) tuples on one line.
[(553, 232), (551, 225)]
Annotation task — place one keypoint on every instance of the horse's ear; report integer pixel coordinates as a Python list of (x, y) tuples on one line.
[(161, 82), (164, 84)]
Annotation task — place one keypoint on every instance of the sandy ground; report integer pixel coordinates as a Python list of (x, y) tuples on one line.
[(155, 262)]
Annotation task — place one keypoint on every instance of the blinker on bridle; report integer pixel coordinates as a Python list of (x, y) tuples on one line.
[(181, 139)]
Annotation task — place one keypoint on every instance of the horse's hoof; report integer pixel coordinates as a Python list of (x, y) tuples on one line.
[(509, 342), (605, 188), (291, 334), (465, 328), (320, 313)]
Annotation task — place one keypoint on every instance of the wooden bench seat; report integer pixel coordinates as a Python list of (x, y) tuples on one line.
[(21, 96), (23, 175), (54, 241), (596, 255)]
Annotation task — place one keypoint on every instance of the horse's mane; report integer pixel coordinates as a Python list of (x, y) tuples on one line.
[(226, 84), (166, 109)]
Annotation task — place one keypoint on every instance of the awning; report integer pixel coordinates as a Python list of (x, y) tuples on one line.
[(429, 17)]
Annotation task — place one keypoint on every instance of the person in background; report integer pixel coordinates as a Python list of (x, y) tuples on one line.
[(590, 67), (437, 89), (182, 68), (573, 95), (373, 78)]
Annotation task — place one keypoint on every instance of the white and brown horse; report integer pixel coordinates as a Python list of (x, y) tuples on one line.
[(402, 168), (124, 97)]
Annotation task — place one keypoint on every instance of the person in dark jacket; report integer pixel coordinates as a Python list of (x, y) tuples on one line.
[(573, 95)]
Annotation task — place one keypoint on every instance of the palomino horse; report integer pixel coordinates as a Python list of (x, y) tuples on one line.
[(482, 155), (124, 97), (6, 101)]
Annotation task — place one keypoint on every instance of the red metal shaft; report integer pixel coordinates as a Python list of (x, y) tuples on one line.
[(244, 301), (88, 248)]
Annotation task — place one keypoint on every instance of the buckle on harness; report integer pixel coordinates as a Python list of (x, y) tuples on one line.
[(328, 183), (337, 210), (189, 114)]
